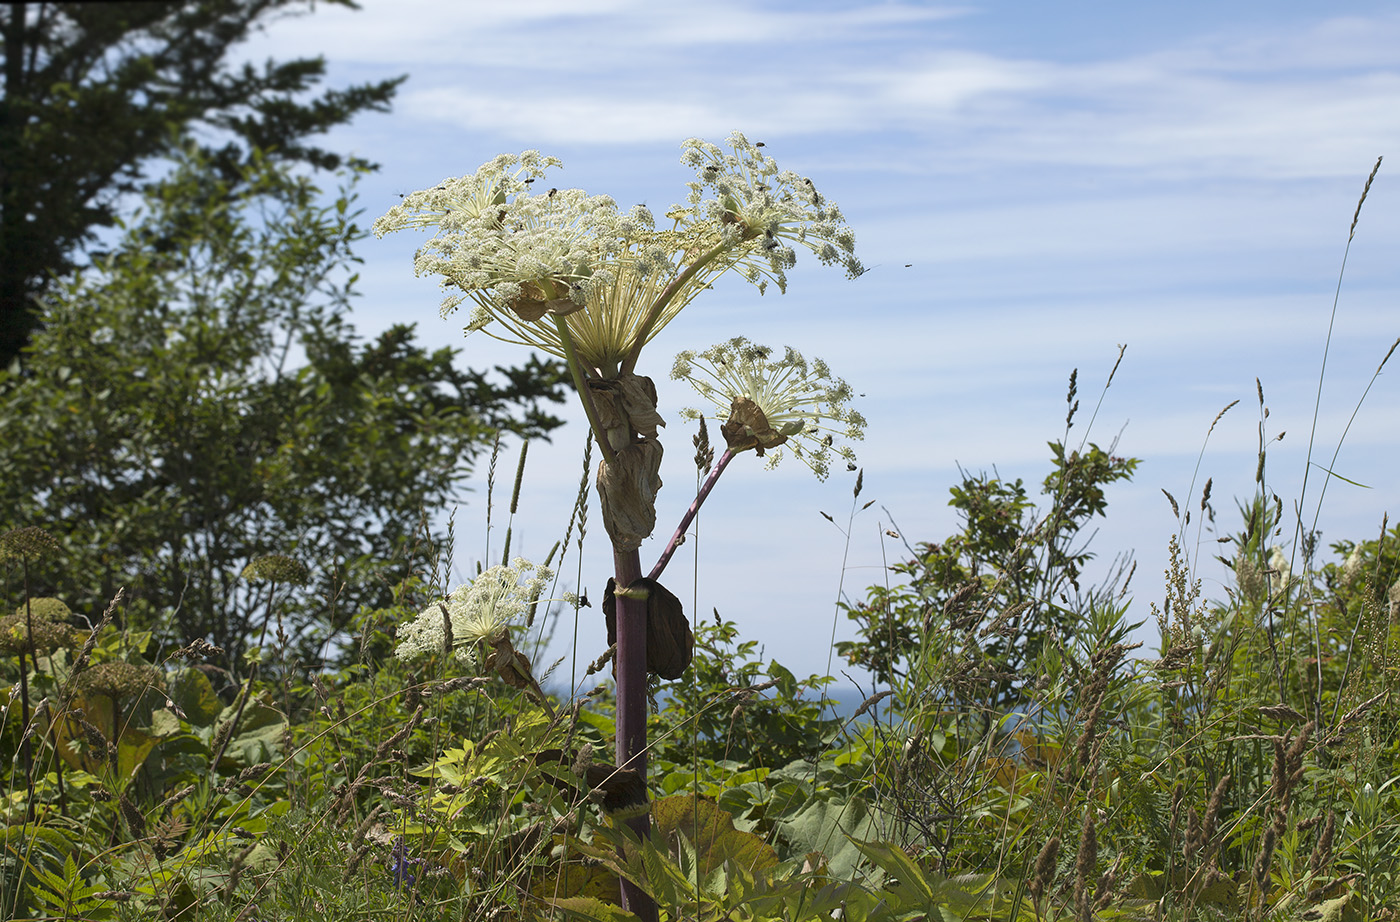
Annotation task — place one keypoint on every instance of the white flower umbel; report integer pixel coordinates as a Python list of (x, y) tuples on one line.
[(536, 260), (1278, 562), (1351, 569), (803, 405), (521, 256), (765, 211), (481, 613)]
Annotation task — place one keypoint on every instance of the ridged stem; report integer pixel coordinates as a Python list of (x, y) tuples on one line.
[(690, 514)]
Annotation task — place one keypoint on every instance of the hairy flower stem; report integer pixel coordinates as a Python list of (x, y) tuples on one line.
[(27, 754), (690, 514), (631, 671), (581, 385)]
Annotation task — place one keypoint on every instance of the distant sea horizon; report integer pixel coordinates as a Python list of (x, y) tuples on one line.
[(847, 699)]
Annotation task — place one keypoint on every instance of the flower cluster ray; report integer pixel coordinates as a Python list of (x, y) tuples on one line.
[(803, 403)]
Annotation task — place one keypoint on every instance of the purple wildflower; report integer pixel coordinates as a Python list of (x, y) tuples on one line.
[(399, 864)]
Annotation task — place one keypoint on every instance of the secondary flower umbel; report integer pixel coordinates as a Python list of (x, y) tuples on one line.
[(768, 402), (480, 613)]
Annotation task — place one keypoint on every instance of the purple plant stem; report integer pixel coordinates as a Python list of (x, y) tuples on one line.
[(631, 671), (689, 516)]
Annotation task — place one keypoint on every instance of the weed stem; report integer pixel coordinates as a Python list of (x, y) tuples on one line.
[(690, 514)]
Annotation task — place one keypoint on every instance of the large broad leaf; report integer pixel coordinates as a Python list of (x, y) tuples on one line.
[(712, 832), (133, 749), (905, 876), (1342, 909), (78, 747), (164, 723), (586, 907), (73, 741), (693, 829), (927, 891), (828, 826), (192, 693), (590, 869), (590, 881), (257, 737)]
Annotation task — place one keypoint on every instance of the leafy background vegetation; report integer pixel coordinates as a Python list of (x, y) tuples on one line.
[(1242, 770), (213, 496)]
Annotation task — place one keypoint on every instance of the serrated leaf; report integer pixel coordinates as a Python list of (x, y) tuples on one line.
[(712, 832), (164, 723), (586, 907), (666, 882), (893, 861), (829, 826), (577, 881)]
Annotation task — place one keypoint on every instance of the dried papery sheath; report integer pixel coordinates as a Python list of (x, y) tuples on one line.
[(769, 403), (670, 643), (628, 481), (627, 488)]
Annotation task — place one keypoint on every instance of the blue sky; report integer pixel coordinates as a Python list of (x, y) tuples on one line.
[(1032, 184)]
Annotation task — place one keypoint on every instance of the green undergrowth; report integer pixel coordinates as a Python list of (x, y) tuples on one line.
[(1021, 756)]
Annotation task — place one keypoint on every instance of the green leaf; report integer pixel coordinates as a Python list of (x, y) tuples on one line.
[(1339, 476), (68, 894), (712, 832), (587, 907), (594, 881), (133, 749), (180, 447), (831, 828), (258, 736), (894, 862), (164, 723), (194, 695)]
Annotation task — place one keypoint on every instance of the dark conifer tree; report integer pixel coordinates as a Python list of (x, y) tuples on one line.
[(93, 92)]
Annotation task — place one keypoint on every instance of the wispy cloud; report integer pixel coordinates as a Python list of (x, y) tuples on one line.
[(1284, 103), (542, 117)]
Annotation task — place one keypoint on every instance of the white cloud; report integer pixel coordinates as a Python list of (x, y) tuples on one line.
[(944, 82), (1279, 102), (1337, 44), (1185, 125), (550, 118), (705, 23)]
